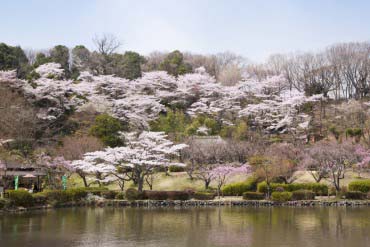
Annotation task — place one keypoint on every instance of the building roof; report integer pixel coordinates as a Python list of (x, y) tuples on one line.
[(11, 168)]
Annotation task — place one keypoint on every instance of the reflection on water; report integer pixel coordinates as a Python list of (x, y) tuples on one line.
[(188, 227)]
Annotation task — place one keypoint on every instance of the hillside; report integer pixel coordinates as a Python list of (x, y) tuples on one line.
[(109, 129)]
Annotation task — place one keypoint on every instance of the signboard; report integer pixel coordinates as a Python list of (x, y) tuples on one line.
[(64, 182), (16, 180)]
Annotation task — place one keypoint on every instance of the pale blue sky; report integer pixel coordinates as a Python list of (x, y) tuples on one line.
[(254, 29)]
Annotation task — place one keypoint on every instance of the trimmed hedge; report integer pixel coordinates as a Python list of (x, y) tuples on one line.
[(120, 196), (155, 195), (166, 195), (77, 194), (237, 189), (176, 169), (203, 196), (281, 196), (133, 194), (40, 198), (360, 185), (97, 191), (318, 189), (62, 196), (3, 203), (59, 196), (20, 198), (253, 196), (109, 194), (178, 195), (303, 195), (355, 195)]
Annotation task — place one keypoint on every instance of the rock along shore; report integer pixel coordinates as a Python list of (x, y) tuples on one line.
[(197, 203)]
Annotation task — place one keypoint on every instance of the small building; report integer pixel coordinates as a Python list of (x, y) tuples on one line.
[(29, 175)]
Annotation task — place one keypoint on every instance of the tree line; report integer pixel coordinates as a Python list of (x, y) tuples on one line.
[(341, 70)]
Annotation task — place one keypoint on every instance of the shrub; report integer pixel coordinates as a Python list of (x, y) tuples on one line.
[(120, 196), (166, 195), (33, 75), (253, 196), (97, 191), (355, 195), (40, 198), (106, 128), (155, 195), (3, 203), (318, 189), (353, 132), (58, 196), (176, 169), (237, 189), (133, 194), (178, 195), (20, 198), (203, 196), (262, 187), (76, 194), (303, 195), (110, 194), (281, 196), (332, 191), (62, 196), (360, 185), (279, 189)]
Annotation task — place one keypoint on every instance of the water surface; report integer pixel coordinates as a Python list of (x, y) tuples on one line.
[(193, 227)]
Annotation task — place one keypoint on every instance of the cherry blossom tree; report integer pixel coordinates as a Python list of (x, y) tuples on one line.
[(271, 103), (143, 153), (53, 166)]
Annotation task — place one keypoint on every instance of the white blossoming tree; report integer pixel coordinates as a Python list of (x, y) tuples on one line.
[(270, 103), (136, 161)]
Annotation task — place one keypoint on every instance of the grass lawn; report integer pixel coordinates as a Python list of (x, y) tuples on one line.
[(305, 177), (181, 181), (175, 181)]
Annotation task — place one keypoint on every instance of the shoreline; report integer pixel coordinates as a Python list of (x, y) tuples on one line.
[(193, 204)]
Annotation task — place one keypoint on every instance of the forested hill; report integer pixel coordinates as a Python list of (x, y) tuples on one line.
[(52, 102)]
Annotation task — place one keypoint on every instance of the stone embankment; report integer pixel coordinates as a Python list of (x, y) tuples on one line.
[(199, 203)]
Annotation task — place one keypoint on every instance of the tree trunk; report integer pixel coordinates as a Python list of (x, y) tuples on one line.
[(121, 185), (219, 191), (140, 184), (206, 183), (84, 180)]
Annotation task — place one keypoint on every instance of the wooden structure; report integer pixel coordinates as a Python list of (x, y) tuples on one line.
[(28, 175)]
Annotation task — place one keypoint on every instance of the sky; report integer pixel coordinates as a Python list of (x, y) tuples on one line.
[(254, 29)]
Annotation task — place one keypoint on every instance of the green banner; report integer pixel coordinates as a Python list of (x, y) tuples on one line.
[(64, 182), (16, 180)]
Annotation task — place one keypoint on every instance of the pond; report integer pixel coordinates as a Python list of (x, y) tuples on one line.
[(224, 226)]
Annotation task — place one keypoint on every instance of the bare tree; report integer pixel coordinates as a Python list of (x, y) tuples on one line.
[(153, 61), (106, 44), (31, 55), (352, 62), (330, 160), (18, 119), (203, 155), (285, 158), (229, 67)]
